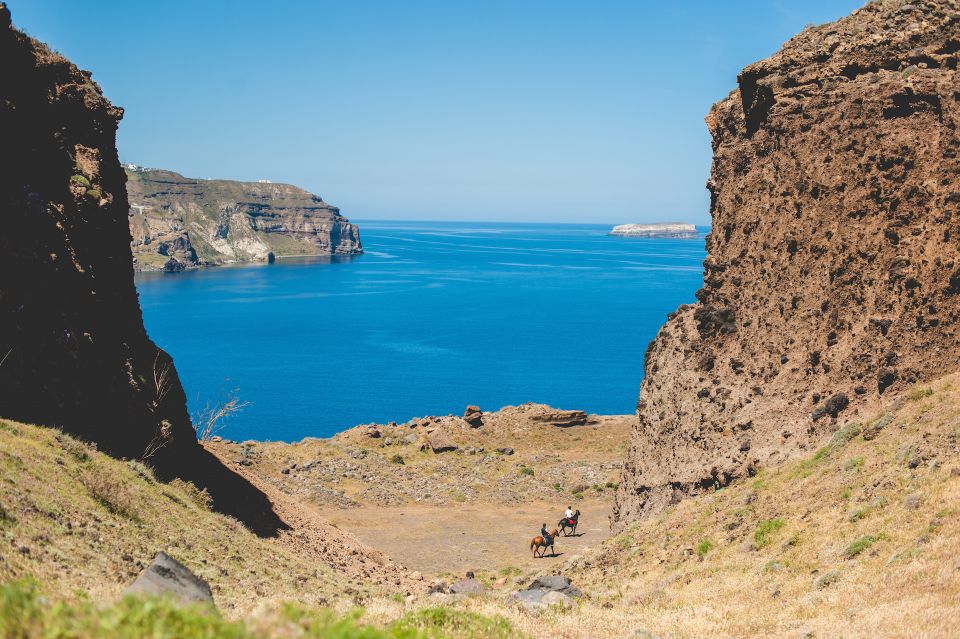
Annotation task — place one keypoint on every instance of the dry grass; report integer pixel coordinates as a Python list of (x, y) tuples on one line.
[(860, 540), (78, 520)]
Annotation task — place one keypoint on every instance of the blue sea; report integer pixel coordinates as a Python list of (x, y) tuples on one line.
[(434, 316)]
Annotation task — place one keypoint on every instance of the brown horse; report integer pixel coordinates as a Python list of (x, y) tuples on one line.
[(538, 543)]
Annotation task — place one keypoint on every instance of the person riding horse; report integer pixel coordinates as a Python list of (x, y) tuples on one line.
[(570, 520), (546, 536)]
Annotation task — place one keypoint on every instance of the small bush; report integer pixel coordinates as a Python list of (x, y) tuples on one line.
[(704, 547), (765, 530), (526, 470), (397, 459), (117, 495), (94, 194), (859, 546), (919, 393), (199, 497), (79, 179), (578, 495), (612, 484), (142, 470)]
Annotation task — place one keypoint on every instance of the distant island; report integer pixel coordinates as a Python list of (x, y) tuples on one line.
[(660, 229)]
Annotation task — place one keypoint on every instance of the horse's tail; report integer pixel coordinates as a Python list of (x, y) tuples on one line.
[(533, 543)]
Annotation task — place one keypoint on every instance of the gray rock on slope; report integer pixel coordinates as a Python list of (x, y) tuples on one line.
[(545, 591), (167, 577)]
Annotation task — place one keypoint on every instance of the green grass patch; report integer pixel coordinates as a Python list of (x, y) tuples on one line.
[(765, 531), (526, 470), (26, 614), (79, 179), (859, 545), (704, 547), (451, 623), (854, 463)]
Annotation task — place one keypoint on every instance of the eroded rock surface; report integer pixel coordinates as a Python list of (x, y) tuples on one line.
[(833, 274), (73, 350)]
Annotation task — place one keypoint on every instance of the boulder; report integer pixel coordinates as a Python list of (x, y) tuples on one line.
[(554, 598), (473, 416), (546, 590), (506, 450), (167, 577), (562, 418), (440, 442), (467, 587)]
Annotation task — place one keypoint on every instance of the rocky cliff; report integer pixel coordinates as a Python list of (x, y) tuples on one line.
[(833, 275), (73, 350), (178, 222)]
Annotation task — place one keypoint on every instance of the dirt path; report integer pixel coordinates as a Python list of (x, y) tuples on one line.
[(454, 539)]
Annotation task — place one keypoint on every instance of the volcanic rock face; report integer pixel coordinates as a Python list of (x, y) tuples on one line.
[(833, 274), (73, 348), (178, 222)]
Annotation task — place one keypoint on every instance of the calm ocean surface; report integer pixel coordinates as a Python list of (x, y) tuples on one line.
[(435, 316)]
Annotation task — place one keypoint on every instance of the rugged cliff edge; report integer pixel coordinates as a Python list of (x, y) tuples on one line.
[(73, 350), (833, 273), (178, 222)]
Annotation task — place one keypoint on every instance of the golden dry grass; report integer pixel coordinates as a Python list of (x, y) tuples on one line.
[(78, 520)]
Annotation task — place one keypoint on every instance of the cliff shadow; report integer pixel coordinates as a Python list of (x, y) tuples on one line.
[(232, 494)]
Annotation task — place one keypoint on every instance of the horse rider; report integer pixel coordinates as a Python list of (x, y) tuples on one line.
[(547, 539), (569, 513)]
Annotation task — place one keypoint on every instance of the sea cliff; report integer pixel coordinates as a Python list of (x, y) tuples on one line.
[(179, 223), (833, 274)]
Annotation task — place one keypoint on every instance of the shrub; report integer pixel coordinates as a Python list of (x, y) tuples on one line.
[(704, 547), (115, 494), (919, 393), (397, 459), (578, 495), (858, 546), (94, 194), (79, 179), (199, 497), (762, 536), (142, 470), (454, 624), (526, 470), (612, 484)]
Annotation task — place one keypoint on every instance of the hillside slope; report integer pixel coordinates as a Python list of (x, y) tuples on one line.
[(178, 222), (858, 539), (77, 519), (834, 264)]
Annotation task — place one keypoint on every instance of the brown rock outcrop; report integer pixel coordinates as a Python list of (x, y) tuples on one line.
[(73, 350), (178, 222), (833, 274)]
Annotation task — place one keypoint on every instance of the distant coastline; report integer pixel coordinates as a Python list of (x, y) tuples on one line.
[(681, 230)]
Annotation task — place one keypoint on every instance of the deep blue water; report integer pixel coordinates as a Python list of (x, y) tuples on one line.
[(435, 316)]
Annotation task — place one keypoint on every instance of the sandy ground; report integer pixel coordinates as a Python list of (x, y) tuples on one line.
[(480, 537)]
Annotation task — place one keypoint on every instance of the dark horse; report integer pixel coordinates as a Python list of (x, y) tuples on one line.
[(569, 522)]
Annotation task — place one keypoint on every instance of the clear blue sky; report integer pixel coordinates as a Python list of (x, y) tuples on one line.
[(434, 109)]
